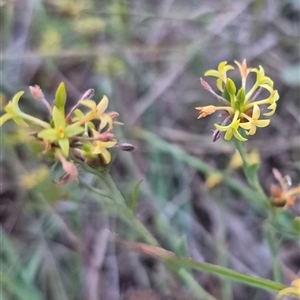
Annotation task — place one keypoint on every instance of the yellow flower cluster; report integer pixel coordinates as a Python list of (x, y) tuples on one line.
[(85, 134), (241, 108)]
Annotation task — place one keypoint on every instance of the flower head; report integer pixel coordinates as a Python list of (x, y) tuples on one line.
[(282, 194), (65, 136), (240, 106)]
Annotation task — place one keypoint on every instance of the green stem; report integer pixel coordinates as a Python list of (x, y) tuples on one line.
[(270, 236), (269, 233), (251, 177), (264, 284), (34, 120), (126, 212)]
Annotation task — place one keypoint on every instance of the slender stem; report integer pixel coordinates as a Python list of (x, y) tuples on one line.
[(269, 232), (34, 120), (227, 273), (127, 212), (252, 177), (270, 236)]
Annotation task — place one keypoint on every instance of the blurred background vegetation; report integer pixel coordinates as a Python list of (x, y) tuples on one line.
[(147, 57)]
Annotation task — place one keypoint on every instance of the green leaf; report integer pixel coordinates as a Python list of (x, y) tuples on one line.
[(226, 95), (251, 171), (60, 97), (230, 87), (180, 246), (296, 224), (240, 97), (18, 288), (229, 274), (56, 172), (134, 196)]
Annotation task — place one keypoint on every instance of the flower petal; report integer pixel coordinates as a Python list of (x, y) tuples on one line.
[(213, 73), (102, 105), (4, 118), (238, 135), (228, 134), (91, 104), (73, 130), (245, 125), (262, 123), (106, 156), (272, 108), (58, 118), (110, 144), (48, 134), (17, 97), (64, 146)]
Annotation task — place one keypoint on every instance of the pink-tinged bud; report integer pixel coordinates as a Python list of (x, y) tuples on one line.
[(113, 114), (71, 172), (106, 137), (126, 147), (205, 85), (89, 94), (69, 168), (36, 93)]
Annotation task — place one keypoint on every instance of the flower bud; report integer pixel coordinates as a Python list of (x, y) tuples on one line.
[(126, 147), (89, 94), (36, 93)]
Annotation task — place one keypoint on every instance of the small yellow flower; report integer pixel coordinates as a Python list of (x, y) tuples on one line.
[(13, 111), (232, 128), (61, 131), (99, 145), (291, 291), (221, 74), (254, 121)]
